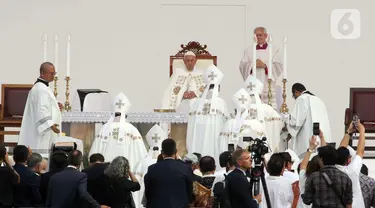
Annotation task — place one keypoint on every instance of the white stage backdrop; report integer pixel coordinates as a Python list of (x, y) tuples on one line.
[(125, 46)]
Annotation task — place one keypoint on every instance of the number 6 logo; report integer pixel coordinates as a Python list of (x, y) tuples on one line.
[(345, 24)]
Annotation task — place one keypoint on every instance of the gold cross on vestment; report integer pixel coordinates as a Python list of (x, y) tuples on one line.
[(242, 99), (206, 108), (115, 133), (212, 76), (156, 138), (251, 86), (120, 104)]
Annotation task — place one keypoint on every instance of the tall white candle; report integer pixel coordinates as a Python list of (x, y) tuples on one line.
[(285, 61), (270, 61), (45, 38), (68, 56), (56, 52), (255, 42)]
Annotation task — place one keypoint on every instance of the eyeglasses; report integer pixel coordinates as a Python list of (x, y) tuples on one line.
[(51, 73)]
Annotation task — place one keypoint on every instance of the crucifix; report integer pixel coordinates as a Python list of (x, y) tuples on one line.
[(212, 76), (156, 138), (251, 86), (242, 99), (115, 133), (206, 108), (120, 104)]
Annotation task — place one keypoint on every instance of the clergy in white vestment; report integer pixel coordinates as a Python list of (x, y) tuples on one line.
[(41, 120), (185, 85), (118, 137), (154, 139), (231, 129), (262, 55), (264, 113), (207, 117), (308, 110)]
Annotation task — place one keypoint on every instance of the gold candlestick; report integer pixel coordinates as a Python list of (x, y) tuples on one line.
[(269, 92), (55, 86), (67, 103), (284, 107)]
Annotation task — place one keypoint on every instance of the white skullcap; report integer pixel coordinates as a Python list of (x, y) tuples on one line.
[(189, 53)]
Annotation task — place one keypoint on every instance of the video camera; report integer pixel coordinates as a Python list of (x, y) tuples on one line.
[(258, 148)]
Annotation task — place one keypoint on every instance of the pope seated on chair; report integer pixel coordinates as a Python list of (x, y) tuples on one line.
[(185, 86)]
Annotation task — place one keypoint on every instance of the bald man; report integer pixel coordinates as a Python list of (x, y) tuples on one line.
[(186, 84), (42, 116)]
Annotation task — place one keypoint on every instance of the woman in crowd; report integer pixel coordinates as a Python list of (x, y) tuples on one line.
[(117, 186)]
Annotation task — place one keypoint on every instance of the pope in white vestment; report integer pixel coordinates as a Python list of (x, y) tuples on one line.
[(185, 86), (230, 132), (154, 138), (262, 54), (308, 110), (42, 116), (207, 117), (264, 113), (118, 137)]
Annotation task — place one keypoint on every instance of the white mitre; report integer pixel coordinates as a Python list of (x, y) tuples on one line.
[(241, 100), (212, 76), (255, 87), (121, 104), (155, 137)]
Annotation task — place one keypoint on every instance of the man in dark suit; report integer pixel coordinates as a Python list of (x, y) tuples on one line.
[(8, 178), (68, 187), (26, 193), (239, 189), (94, 172), (59, 161), (168, 183)]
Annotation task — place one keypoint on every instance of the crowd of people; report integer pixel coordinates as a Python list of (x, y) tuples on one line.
[(326, 177)]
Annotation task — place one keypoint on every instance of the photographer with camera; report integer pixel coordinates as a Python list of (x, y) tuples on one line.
[(240, 192)]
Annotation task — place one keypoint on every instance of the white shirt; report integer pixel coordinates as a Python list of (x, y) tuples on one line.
[(280, 191), (353, 170), (302, 182), (292, 176)]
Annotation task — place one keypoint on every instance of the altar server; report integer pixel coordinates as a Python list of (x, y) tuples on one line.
[(41, 120)]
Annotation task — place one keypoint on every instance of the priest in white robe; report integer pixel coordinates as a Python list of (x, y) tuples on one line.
[(308, 110), (185, 86), (230, 132), (262, 54), (264, 113), (41, 120), (154, 138), (118, 137), (207, 117)]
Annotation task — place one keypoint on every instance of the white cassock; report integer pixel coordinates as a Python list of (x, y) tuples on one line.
[(231, 129), (41, 112), (264, 113), (181, 81), (262, 53), (207, 117), (154, 139), (272, 123), (307, 110)]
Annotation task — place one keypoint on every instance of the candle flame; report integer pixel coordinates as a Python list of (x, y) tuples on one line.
[(45, 37), (56, 37), (269, 38), (68, 38), (255, 38)]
